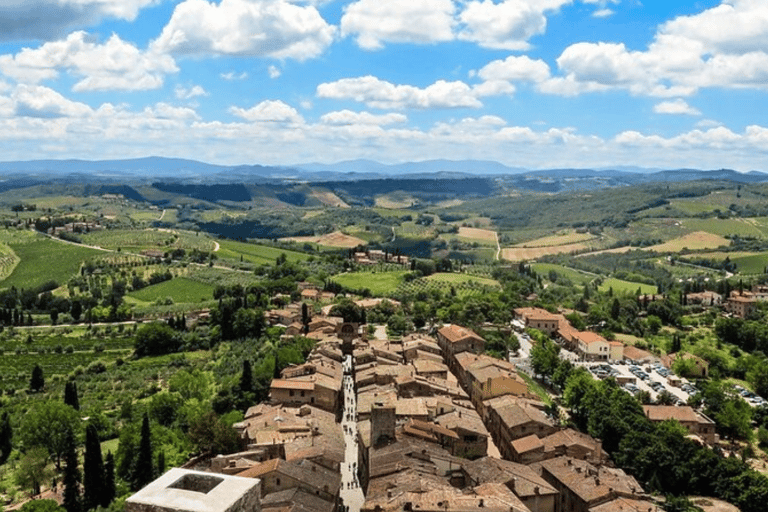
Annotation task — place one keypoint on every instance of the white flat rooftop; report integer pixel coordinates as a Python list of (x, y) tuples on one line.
[(194, 491)]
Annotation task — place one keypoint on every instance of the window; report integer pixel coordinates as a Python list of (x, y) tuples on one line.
[(302, 393), (290, 393)]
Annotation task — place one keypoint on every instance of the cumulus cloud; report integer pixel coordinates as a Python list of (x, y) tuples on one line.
[(256, 28), (678, 106), (515, 69), (42, 102), (374, 22), (274, 72), (231, 75), (113, 65), (378, 93), (184, 93), (724, 46), (52, 19), (506, 25), (269, 112), (348, 117)]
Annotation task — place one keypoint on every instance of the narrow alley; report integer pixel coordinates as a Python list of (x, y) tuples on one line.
[(351, 493)]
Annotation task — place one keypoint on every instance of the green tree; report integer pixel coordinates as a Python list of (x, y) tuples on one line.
[(6, 437), (37, 381), (156, 338), (93, 470), (212, 435), (545, 356), (110, 490), (70, 395), (41, 506), (143, 471), (71, 476), (246, 378), (33, 469), (48, 424)]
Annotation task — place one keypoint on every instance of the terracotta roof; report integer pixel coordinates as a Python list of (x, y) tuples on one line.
[(671, 412), (292, 384), (626, 505), (590, 337), (527, 444), (455, 333), (587, 482)]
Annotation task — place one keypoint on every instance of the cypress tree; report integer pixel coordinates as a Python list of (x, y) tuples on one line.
[(70, 395), (71, 476), (109, 491), (143, 471), (6, 438), (161, 462), (93, 469), (246, 379), (37, 382)]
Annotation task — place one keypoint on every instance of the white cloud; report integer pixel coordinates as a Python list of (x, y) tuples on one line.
[(506, 25), (274, 72), (166, 111), (269, 112), (113, 65), (51, 19), (42, 102), (515, 69), (256, 28), (378, 93), (348, 117), (603, 13), (184, 93), (399, 21), (724, 46), (678, 106), (231, 75)]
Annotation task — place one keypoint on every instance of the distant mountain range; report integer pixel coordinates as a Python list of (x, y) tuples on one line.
[(191, 171)]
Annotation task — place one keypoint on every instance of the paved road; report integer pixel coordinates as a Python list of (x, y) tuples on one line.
[(351, 493)]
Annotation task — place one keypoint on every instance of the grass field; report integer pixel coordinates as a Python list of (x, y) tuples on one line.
[(254, 253), (532, 253), (38, 265), (485, 235), (451, 278), (138, 240), (566, 238), (380, 283), (395, 201), (724, 227), (335, 239), (571, 274), (620, 286), (179, 289), (698, 240)]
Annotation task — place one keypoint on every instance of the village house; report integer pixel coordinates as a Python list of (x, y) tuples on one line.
[(699, 366), (741, 305), (695, 422), (583, 486), (572, 443), (183, 490), (508, 418), (538, 318), (535, 492), (454, 339), (592, 347), (707, 299), (278, 475)]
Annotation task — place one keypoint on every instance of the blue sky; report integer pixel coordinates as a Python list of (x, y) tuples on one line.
[(529, 83)]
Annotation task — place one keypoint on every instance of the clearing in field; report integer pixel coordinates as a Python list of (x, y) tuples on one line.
[(380, 283), (620, 286), (575, 276), (451, 278), (697, 240), (328, 198), (532, 253), (724, 227), (36, 267), (138, 240), (254, 253), (567, 238), (485, 235), (395, 201), (335, 239), (179, 289)]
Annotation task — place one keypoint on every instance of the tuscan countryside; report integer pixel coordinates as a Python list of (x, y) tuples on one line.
[(383, 256)]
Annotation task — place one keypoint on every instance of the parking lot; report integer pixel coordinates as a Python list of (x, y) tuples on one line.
[(653, 378)]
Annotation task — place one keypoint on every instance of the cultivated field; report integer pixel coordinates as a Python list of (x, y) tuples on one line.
[(254, 253), (462, 279), (568, 238), (335, 239), (532, 253), (485, 235), (179, 289), (698, 240), (43, 260), (329, 199), (620, 286), (138, 240), (380, 283), (573, 275)]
